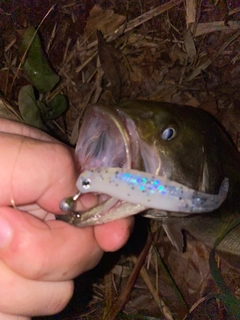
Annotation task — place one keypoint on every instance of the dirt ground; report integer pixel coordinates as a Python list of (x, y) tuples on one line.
[(186, 52)]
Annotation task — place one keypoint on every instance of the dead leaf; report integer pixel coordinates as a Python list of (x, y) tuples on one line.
[(190, 47), (112, 65), (104, 20)]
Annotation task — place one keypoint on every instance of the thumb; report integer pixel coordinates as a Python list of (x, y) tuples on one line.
[(45, 250)]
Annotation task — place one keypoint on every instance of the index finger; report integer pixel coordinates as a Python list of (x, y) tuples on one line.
[(22, 129), (34, 171)]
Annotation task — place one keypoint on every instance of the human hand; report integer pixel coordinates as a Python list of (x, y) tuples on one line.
[(40, 256)]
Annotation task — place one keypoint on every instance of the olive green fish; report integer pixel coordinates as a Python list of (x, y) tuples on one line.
[(180, 143)]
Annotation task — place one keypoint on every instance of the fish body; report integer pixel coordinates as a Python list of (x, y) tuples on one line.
[(207, 228), (180, 143)]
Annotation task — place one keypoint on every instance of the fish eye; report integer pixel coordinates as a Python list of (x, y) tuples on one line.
[(168, 133), (86, 184)]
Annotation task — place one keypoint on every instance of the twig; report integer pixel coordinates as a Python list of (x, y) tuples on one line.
[(125, 294)]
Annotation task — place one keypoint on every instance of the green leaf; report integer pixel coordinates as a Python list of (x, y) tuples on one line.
[(42, 107), (57, 106), (28, 107), (212, 263), (36, 65), (231, 303)]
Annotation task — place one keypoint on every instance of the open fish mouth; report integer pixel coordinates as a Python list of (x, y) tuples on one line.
[(102, 141), (109, 138)]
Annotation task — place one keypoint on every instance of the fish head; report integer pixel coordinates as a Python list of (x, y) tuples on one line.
[(180, 143)]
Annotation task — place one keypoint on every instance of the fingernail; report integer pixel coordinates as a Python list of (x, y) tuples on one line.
[(5, 233)]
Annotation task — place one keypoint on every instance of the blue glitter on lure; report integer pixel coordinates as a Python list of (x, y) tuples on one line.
[(144, 184), (151, 191)]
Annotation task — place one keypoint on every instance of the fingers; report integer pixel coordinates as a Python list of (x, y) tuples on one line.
[(4, 316), (9, 126), (46, 170), (113, 235), (38, 258), (25, 297), (54, 250), (51, 250)]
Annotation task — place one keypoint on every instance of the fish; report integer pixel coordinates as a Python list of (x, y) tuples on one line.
[(178, 142)]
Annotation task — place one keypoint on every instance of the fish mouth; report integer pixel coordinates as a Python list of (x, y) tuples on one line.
[(109, 138), (103, 140)]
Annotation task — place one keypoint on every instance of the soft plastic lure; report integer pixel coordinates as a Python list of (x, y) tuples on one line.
[(150, 191)]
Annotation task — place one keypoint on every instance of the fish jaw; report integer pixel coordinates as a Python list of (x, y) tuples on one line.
[(106, 211), (109, 138)]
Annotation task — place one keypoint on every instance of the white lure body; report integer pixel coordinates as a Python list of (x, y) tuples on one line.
[(150, 191)]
